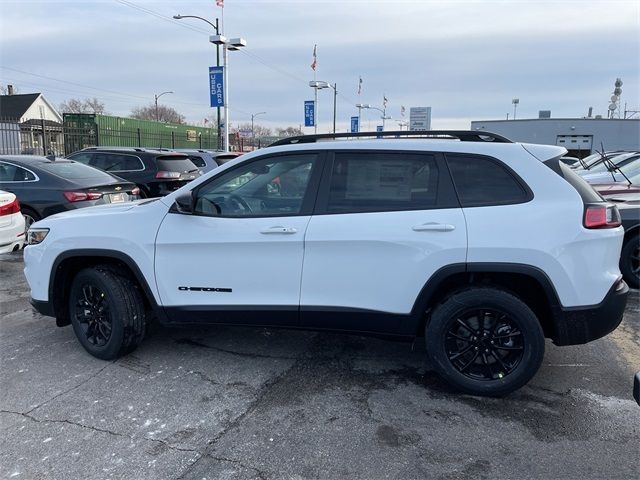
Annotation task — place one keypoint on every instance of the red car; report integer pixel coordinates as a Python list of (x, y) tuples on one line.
[(615, 188)]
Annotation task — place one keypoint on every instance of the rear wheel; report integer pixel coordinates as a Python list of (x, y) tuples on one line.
[(30, 217), (485, 341), (630, 261), (107, 311)]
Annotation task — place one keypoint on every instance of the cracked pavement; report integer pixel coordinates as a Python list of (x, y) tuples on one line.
[(249, 403)]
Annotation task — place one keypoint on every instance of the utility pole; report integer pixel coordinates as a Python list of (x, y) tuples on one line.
[(335, 94)]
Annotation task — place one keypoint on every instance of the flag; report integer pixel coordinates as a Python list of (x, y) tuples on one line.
[(385, 100), (402, 110), (220, 3), (315, 58), (360, 86), (206, 121)]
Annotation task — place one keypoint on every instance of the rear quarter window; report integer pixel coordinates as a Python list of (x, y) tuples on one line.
[(481, 181)]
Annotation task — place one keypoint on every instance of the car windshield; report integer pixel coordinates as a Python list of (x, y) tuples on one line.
[(631, 166), (604, 166), (75, 171)]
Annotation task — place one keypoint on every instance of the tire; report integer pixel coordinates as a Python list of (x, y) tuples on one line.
[(630, 261), (107, 311), (511, 335), (30, 217)]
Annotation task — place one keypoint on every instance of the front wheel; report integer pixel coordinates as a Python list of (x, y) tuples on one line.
[(107, 311), (485, 341)]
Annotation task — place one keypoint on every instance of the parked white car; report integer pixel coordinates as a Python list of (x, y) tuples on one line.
[(482, 247), (11, 223)]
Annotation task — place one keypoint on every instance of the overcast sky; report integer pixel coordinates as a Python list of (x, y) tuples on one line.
[(466, 59)]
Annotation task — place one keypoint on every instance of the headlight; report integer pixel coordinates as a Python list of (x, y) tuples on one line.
[(36, 235)]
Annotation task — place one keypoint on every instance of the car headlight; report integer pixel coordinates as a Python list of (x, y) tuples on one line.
[(36, 235)]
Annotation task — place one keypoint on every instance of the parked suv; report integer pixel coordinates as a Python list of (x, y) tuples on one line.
[(155, 172), (483, 246)]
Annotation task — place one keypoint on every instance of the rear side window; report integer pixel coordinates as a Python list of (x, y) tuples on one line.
[(482, 181), (12, 173), (371, 182), (116, 162), (169, 163)]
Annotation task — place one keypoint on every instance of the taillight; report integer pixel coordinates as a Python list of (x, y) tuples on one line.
[(135, 191), (601, 216), (81, 196), (165, 174), (10, 208)]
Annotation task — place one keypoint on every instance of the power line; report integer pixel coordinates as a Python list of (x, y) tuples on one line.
[(244, 51)]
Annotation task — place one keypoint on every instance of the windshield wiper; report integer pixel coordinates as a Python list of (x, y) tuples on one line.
[(613, 167)]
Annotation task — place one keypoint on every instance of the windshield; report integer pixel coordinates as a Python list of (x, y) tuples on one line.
[(631, 166), (604, 166)]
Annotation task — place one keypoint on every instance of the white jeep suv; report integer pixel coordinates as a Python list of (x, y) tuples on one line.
[(483, 246)]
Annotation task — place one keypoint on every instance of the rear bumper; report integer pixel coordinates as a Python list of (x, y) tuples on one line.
[(578, 325)]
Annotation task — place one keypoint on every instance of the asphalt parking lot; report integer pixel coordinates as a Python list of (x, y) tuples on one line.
[(242, 403)]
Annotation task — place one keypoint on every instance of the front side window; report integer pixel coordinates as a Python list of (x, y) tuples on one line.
[(370, 182), (82, 158), (13, 173), (483, 181), (274, 186)]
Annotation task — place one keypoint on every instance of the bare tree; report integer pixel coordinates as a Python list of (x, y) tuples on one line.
[(163, 114), (259, 130), (4, 90), (289, 131), (88, 105)]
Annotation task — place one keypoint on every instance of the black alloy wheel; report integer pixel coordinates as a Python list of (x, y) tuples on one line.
[(484, 341), (93, 315), (107, 311), (484, 344)]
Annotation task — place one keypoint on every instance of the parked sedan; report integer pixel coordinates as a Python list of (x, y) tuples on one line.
[(614, 188), (11, 223), (48, 185)]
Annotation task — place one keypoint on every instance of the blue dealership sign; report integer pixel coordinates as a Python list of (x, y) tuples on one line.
[(379, 128), (355, 124), (309, 113), (216, 86)]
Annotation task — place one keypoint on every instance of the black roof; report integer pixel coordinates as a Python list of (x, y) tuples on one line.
[(14, 106)]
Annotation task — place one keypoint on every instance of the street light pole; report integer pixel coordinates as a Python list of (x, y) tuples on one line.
[(253, 134), (335, 94), (156, 102), (234, 44), (381, 110)]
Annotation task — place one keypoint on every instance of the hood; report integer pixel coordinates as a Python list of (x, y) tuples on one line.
[(108, 209)]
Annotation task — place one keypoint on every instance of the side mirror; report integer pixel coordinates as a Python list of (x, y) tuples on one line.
[(184, 203)]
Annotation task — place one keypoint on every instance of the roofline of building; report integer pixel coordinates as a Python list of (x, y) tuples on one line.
[(590, 119)]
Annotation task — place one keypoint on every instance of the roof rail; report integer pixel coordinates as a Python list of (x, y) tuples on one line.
[(462, 135)]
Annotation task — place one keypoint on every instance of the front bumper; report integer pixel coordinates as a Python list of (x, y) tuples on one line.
[(578, 325)]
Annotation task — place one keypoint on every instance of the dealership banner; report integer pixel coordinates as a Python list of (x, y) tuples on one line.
[(216, 86), (309, 113)]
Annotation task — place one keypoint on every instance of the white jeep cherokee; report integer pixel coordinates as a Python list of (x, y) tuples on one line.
[(482, 245)]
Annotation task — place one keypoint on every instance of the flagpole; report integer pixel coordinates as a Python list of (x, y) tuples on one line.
[(315, 89)]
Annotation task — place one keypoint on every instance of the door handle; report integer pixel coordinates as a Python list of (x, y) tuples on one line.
[(434, 227), (280, 230)]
